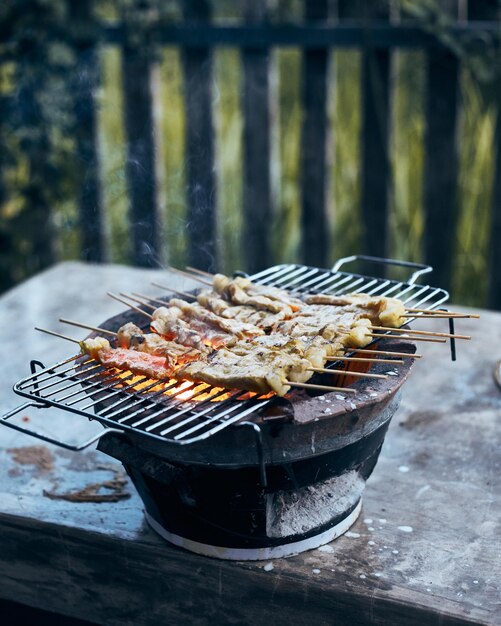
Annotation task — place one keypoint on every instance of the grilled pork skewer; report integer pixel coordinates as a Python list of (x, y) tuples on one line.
[(152, 367), (141, 363)]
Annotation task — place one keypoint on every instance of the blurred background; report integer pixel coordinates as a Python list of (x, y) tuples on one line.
[(236, 135)]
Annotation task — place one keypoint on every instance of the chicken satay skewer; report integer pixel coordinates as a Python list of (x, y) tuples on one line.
[(110, 332), (427, 333)]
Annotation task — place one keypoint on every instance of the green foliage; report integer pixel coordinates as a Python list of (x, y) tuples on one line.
[(37, 119), (40, 172)]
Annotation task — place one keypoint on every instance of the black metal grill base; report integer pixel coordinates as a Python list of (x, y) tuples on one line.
[(227, 514)]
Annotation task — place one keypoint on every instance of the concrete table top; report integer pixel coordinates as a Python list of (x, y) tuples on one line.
[(425, 550)]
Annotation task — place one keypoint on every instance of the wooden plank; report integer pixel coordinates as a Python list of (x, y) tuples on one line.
[(257, 202), (56, 554), (313, 169), (201, 180), (441, 163), (140, 165), (312, 36), (375, 166), (86, 80), (481, 10)]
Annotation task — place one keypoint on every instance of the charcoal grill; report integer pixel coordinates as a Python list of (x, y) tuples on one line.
[(233, 474)]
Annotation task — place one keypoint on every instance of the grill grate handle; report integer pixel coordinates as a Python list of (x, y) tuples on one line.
[(4, 420), (420, 267)]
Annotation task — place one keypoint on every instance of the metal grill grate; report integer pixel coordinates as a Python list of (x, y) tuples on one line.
[(183, 413)]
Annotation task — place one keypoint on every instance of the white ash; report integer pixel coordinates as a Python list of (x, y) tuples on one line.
[(405, 529), (295, 512), (352, 535), (268, 567)]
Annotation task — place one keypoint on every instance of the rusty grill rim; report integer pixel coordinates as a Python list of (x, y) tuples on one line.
[(295, 278)]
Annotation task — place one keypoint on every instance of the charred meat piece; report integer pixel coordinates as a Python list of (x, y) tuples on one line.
[(131, 336), (156, 367)]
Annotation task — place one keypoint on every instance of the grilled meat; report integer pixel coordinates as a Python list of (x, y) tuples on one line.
[(156, 367), (261, 365), (241, 312), (131, 336), (244, 291), (381, 310)]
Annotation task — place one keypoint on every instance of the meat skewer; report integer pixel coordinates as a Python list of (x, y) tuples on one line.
[(141, 363), (100, 350)]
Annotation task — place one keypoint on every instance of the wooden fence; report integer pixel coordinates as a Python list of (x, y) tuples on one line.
[(367, 26)]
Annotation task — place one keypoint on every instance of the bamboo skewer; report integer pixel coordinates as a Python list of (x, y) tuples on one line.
[(409, 337), (184, 294), (112, 295), (427, 333), (325, 370), (131, 297), (201, 272), (192, 276), (422, 316), (54, 334), (150, 299), (438, 312), (355, 359), (87, 326), (387, 353), (320, 387)]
